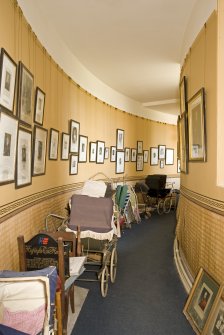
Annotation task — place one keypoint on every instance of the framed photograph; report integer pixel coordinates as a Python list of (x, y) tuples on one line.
[(145, 156), (8, 142), (169, 156), (106, 154), (53, 145), (139, 162), (178, 165), (196, 127), (39, 151), (133, 155), (162, 151), (154, 160), (113, 154), (83, 143), (215, 323), (92, 151), (139, 147), (161, 164), (65, 138), (100, 152), (24, 158), (200, 301), (127, 154), (8, 71), (120, 162), (25, 95), (74, 136), (73, 164), (183, 95), (39, 106), (183, 143), (120, 139)]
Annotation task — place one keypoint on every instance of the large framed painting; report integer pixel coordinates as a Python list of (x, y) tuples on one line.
[(83, 144), (120, 162), (215, 323), (39, 151), (24, 158), (39, 106), (74, 136)]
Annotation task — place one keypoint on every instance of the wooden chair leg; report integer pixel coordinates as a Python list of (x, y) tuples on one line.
[(58, 312)]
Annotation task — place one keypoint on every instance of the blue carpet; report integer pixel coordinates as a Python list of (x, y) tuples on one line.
[(147, 297)]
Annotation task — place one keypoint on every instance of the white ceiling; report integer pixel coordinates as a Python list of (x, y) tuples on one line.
[(133, 46)]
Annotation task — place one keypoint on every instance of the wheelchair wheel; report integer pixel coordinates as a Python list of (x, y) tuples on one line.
[(104, 282), (167, 205), (113, 265), (160, 207)]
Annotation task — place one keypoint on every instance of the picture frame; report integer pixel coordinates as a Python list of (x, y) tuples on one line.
[(120, 139), (83, 145), (196, 127), (113, 150), (119, 162), (8, 143), (92, 151), (53, 144), (139, 162), (74, 136), (161, 164), (24, 158), (183, 143), (161, 151), (154, 156), (106, 153), (39, 106), (178, 136), (39, 151), (183, 95), (25, 95), (201, 299), (127, 154), (178, 165), (215, 322), (100, 152), (8, 76), (133, 155), (73, 166), (169, 160), (139, 147), (145, 156), (65, 139)]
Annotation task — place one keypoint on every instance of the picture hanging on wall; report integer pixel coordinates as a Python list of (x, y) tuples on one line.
[(39, 106), (154, 156), (100, 152), (183, 95), (183, 143), (127, 154), (120, 162), (74, 136), (120, 139), (161, 164), (113, 154), (106, 154), (8, 71), (92, 151), (146, 156), (73, 165), (8, 142), (53, 145), (83, 144), (139, 162), (25, 95), (39, 151), (139, 147), (162, 151), (133, 155), (65, 138), (178, 165), (169, 156), (24, 158)]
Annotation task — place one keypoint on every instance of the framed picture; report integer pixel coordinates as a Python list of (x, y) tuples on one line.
[(92, 151), (140, 147), (53, 145), (178, 136), (183, 95), (215, 323), (113, 154), (202, 296), (145, 156), (133, 155), (127, 154), (25, 95), (24, 158), (73, 164), (39, 106), (162, 151), (83, 143), (183, 143), (8, 142), (169, 156), (161, 164), (65, 138), (154, 160), (8, 71), (196, 127), (178, 165), (120, 162), (100, 152), (106, 154), (139, 162), (120, 139), (39, 151), (74, 136)]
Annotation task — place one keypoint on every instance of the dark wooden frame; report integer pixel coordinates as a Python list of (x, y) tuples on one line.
[(74, 138), (39, 110), (65, 150), (24, 158), (53, 133), (39, 151), (83, 140)]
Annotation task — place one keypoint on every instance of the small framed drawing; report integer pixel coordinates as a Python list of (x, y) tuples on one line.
[(201, 299), (83, 143), (120, 162), (145, 156), (178, 165), (161, 164), (8, 142), (139, 147), (92, 151), (25, 95), (24, 158), (215, 323), (39, 106), (8, 71), (74, 136), (154, 160), (133, 155), (162, 151), (127, 154), (169, 156), (73, 164), (139, 162), (65, 138), (183, 95), (113, 154), (39, 151), (53, 145), (100, 152), (106, 153), (120, 139), (196, 127)]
